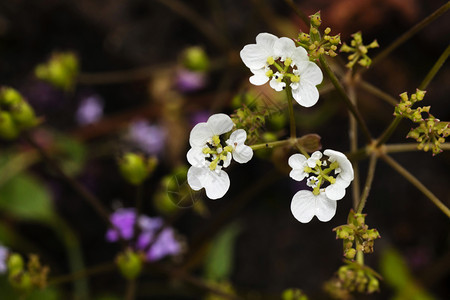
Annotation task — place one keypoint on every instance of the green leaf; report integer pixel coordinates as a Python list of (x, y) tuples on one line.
[(25, 197), (219, 260)]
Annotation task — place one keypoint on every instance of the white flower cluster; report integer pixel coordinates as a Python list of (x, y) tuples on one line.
[(280, 61), (209, 154), (330, 178)]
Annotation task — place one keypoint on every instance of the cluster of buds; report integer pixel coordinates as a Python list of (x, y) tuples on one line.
[(26, 278), (358, 50), (61, 70), (15, 113), (251, 119), (317, 44), (135, 168), (431, 132), (294, 294), (356, 235), (130, 263), (350, 278)]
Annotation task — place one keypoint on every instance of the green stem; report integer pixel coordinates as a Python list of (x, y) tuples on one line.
[(271, 144), (414, 181), (392, 148), (130, 293), (346, 99), (74, 254), (439, 63), (291, 112), (407, 35), (389, 131), (368, 185), (360, 258)]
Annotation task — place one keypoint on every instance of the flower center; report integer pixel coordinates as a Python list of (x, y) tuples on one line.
[(215, 154), (323, 175), (282, 70)]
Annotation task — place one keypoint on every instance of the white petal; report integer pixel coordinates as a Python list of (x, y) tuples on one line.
[(297, 161), (325, 208), (298, 174), (193, 177), (243, 154), (277, 85), (306, 94), (259, 79), (335, 191), (310, 73), (215, 183), (200, 134), (284, 47), (299, 55), (196, 157), (303, 206), (238, 136), (227, 161), (266, 40), (344, 164), (220, 123)]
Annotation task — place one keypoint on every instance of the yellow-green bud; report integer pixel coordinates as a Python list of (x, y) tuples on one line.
[(9, 96), (327, 30), (315, 19), (8, 129), (350, 253), (420, 94), (303, 37), (293, 294), (373, 285), (195, 59), (21, 281), (15, 263), (133, 168), (23, 114), (130, 264), (374, 44)]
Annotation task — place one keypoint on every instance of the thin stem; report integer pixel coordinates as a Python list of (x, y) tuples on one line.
[(439, 63), (353, 136), (291, 112), (130, 293), (414, 181), (407, 35), (271, 144), (430, 75), (360, 258), (76, 186), (102, 268), (346, 99), (368, 185), (392, 148), (377, 92)]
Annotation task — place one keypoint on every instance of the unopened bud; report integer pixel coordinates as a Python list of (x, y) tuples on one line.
[(350, 253), (134, 168), (8, 129), (195, 59), (23, 115), (315, 19), (130, 264)]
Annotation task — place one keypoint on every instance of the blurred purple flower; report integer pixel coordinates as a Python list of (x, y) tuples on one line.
[(90, 110), (149, 138), (123, 219), (189, 81), (3, 257), (166, 243)]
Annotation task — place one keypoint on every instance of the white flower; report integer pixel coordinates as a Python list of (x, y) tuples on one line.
[(281, 61), (241, 153), (305, 205), (336, 191), (208, 156), (336, 175)]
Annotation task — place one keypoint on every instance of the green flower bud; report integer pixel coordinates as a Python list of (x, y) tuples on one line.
[(23, 114), (350, 253), (21, 281), (61, 70), (130, 264), (303, 37), (420, 94), (315, 19), (195, 59), (8, 129), (373, 285), (293, 294), (9, 96), (134, 167), (15, 263)]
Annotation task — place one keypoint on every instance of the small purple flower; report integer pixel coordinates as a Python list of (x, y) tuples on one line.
[(3, 259), (123, 219), (189, 81), (149, 138), (90, 110), (165, 245)]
